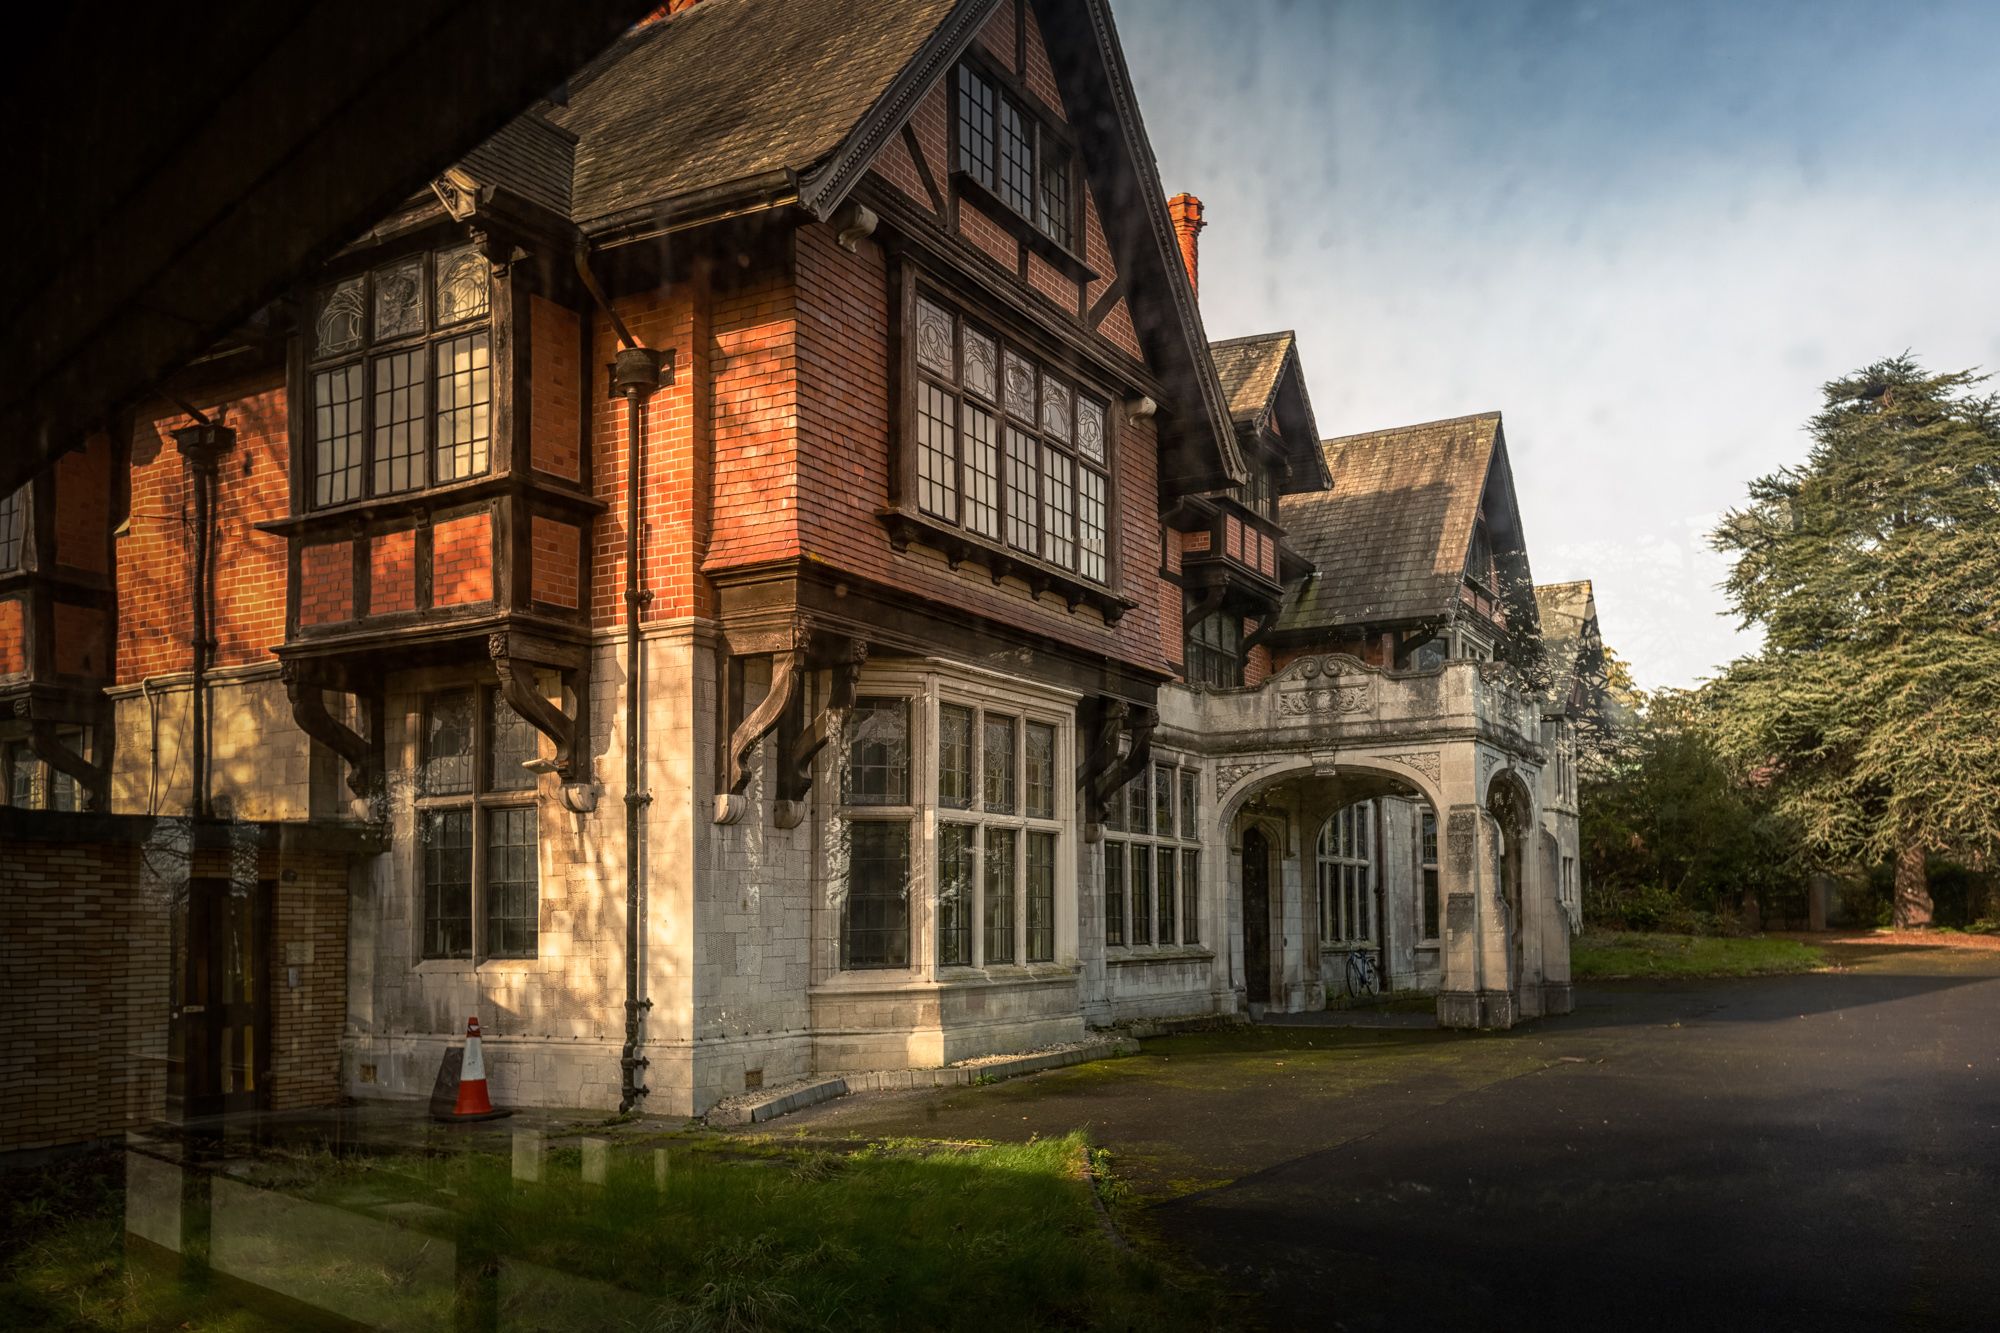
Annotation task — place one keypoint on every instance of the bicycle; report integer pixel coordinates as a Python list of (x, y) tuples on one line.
[(1363, 976)]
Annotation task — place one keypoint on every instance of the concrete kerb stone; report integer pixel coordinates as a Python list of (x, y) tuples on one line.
[(755, 1108)]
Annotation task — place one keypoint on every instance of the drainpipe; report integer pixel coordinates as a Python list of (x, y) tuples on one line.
[(201, 445), (635, 374)]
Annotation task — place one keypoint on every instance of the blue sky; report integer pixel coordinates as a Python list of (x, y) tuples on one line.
[(1645, 232)]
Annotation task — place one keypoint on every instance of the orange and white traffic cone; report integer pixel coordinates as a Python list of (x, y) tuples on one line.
[(471, 1101)]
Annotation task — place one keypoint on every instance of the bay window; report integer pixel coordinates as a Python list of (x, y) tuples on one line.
[(1006, 450), (956, 796), (399, 377)]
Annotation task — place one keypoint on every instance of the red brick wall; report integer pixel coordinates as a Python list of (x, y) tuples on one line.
[(1039, 75), (930, 122), (154, 559), (326, 583), (80, 641), (462, 560), (1061, 290), (83, 506), (1256, 662), (1117, 328), (985, 233), (674, 512), (998, 35), (392, 573), (13, 637), (556, 389), (761, 476), (896, 166), (554, 547), (84, 1051), (844, 423)]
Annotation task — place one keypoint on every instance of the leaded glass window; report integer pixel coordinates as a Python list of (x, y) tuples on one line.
[(1010, 151), (1164, 883), (1427, 867), (1000, 894), (997, 761), (955, 757), (1040, 768), (1041, 897), (478, 826), (878, 752), (1152, 869), (975, 126), (13, 528), (400, 377), (955, 843), (1214, 651), (1346, 856), (875, 913), (1031, 469)]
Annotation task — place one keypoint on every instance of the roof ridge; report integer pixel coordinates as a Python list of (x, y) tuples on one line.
[(1493, 415), (1273, 336)]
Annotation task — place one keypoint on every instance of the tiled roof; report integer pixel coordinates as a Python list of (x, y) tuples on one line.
[(732, 90), (1565, 610), (1248, 369), (532, 157), (1389, 539)]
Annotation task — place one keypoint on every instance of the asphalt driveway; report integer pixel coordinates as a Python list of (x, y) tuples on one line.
[(1820, 1151)]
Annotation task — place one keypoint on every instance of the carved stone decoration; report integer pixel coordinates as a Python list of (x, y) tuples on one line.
[(1228, 775), (1332, 664), (1426, 762), (1336, 699)]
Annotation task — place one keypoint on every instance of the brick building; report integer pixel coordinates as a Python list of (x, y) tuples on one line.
[(760, 571)]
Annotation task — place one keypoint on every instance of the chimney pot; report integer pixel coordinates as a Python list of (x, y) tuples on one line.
[(1185, 210)]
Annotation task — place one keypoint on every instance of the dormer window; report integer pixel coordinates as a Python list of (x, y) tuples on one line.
[(399, 370), (1018, 157)]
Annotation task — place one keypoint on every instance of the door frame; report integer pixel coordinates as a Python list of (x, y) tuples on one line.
[(195, 1078)]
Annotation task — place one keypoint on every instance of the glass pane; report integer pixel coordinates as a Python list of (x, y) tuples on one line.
[(1139, 803), (448, 743), (934, 339), (1190, 803), (1000, 895), (1114, 893), (512, 742), (1055, 408), (982, 473), (1041, 897), (937, 452), (337, 435), (1041, 771), (13, 527), (1017, 159), (513, 899), (399, 421), (981, 364), (464, 406), (1190, 896), (447, 855), (463, 282), (1023, 503), (399, 299), (975, 126), (1090, 429), (997, 750), (955, 757), (1020, 389), (1142, 896), (337, 327), (878, 753), (1054, 204), (954, 895), (1163, 800), (875, 920), (1090, 525), (1057, 512), (1164, 856)]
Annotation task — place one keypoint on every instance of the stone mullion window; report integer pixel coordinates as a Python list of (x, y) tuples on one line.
[(1346, 861), (1152, 860), (399, 378), (1003, 449), (478, 829), (1427, 870)]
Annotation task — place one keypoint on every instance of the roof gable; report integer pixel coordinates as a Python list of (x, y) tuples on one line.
[(1389, 538), (1265, 388)]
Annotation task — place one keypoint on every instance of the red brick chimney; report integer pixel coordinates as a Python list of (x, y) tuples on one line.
[(1185, 210)]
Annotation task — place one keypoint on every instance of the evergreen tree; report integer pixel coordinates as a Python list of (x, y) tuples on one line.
[(1873, 712)]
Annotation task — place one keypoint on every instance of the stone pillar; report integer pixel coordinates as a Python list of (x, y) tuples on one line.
[(1464, 873)]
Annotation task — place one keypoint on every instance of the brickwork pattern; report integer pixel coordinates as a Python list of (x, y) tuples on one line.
[(462, 560), (556, 550), (80, 641), (1058, 288), (392, 573), (154, 559), (998, 35), (326, 583), (84, 1054), (13, 637), (83, 506), (556, 390), (986, 234)]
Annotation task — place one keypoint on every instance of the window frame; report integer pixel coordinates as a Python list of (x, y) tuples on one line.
[(481, 801), (1430, 892), (1047, 453), (1201, 659), (944, 943), (1046, 136), (1172, 898), (1355, 865), (365, 357)]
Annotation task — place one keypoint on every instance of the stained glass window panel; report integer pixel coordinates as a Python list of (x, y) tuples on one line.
[(464, 281), (934, 338), (1090, 429), (982, 370), (337, 327), (955, 757), (997, 764), (448, 743), (1055, 408), (878, 753), (399, 299), (1020, 388), (1040, 771)]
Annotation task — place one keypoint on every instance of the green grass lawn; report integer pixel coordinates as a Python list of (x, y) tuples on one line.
[(900, 1234), (1605, 954)]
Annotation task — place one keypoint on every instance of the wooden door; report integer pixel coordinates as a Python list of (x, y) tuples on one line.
[(221, 1004), (1256, 917)]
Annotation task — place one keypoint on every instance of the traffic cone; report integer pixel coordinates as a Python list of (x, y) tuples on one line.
[(470, 1101)]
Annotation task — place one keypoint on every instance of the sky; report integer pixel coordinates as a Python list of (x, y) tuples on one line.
[(1646, 233)]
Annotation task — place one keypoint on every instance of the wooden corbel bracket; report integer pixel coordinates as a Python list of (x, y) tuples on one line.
[(362, 755), (92, 779), (801, 743), (788, 670), (1108, 766), (515, 663)]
